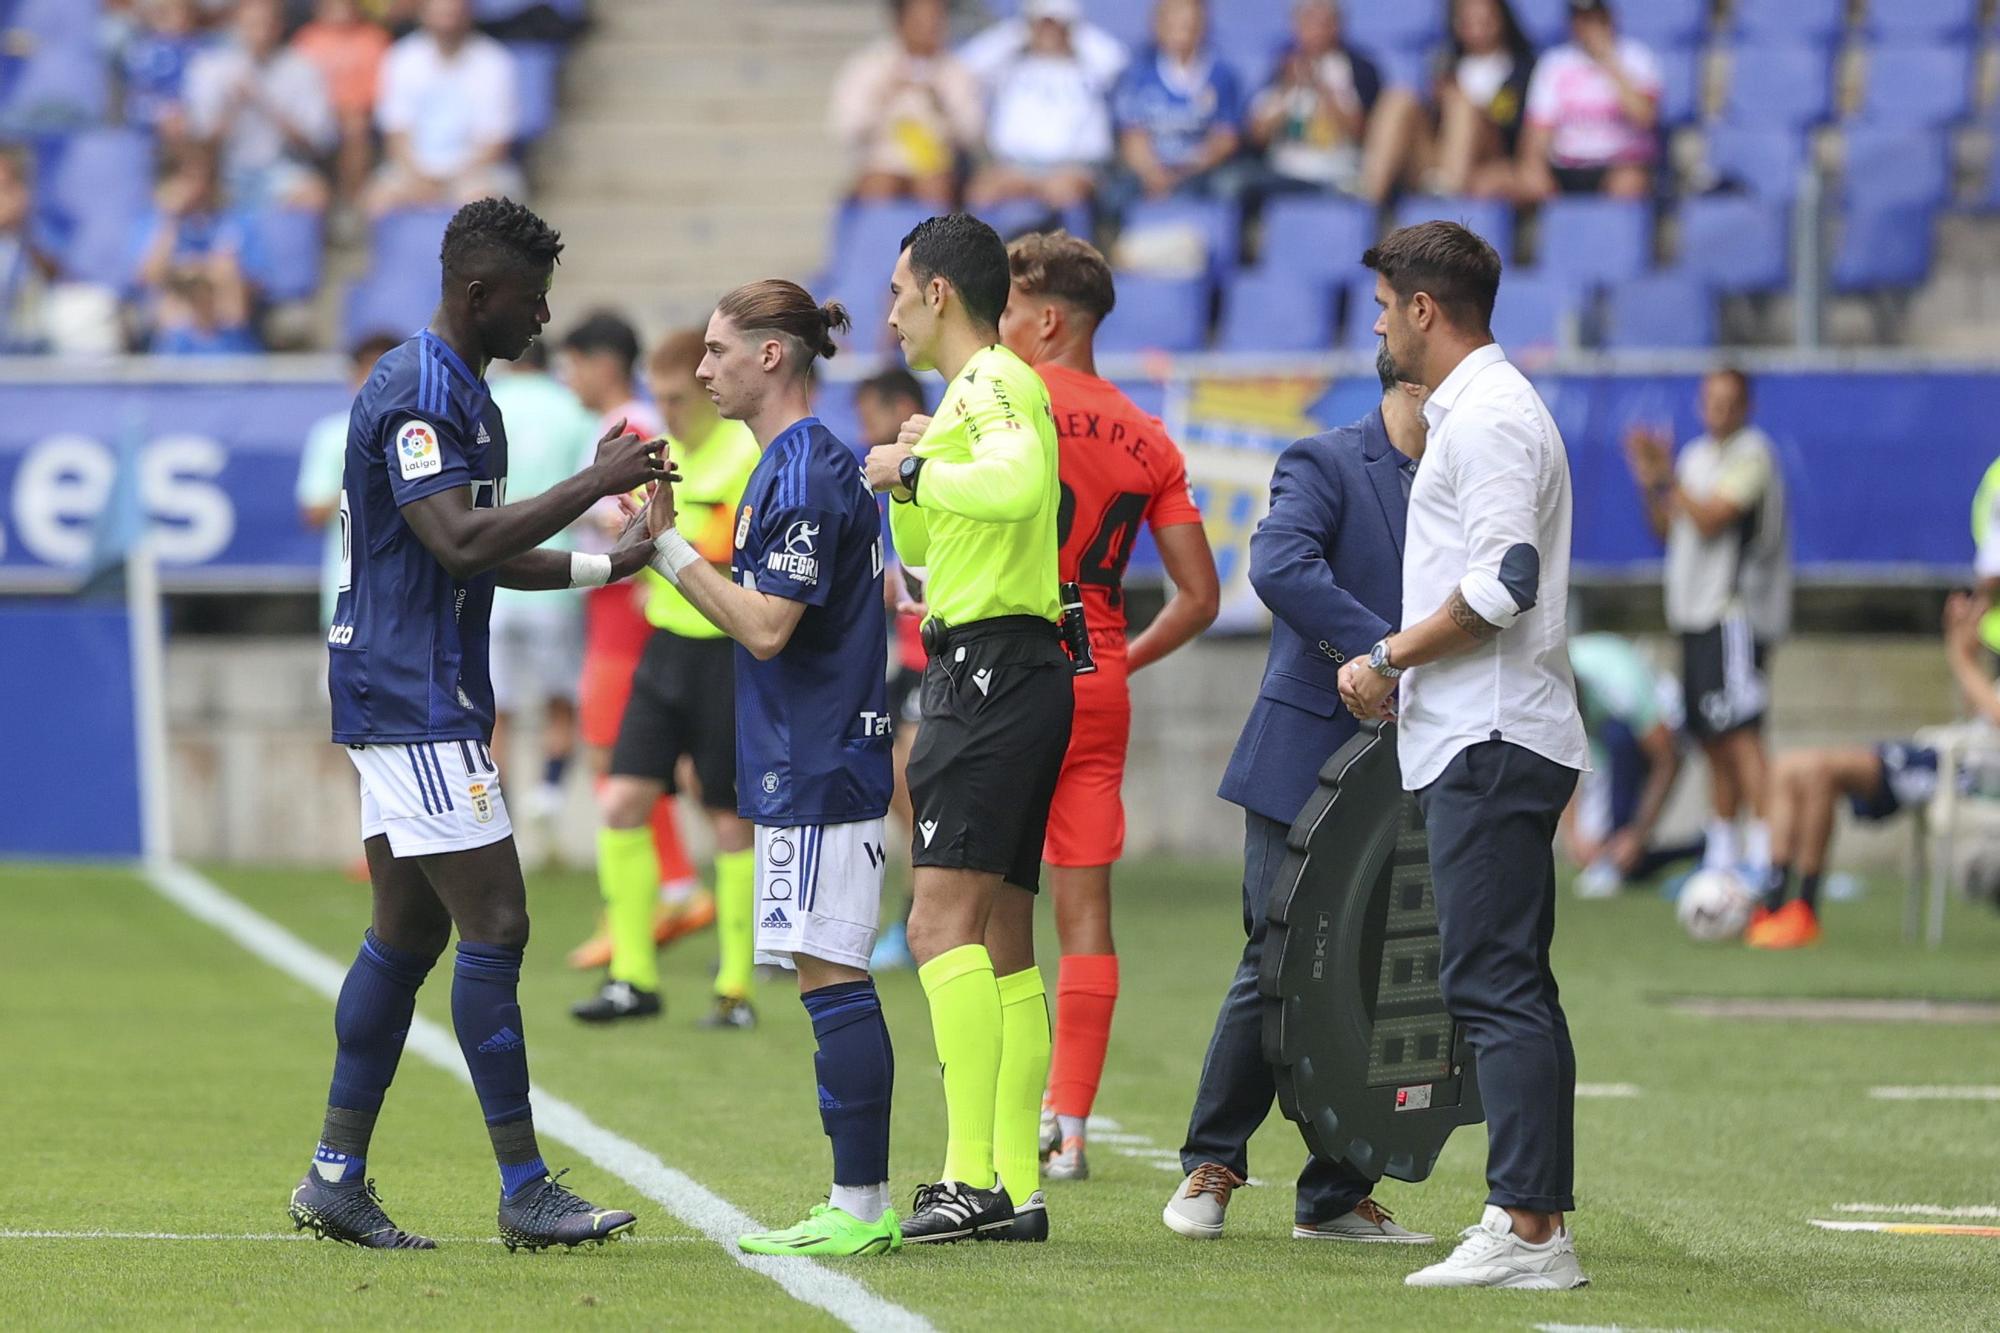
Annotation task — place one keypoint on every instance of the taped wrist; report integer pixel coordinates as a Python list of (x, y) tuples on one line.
[(671, 554), (588, 571)]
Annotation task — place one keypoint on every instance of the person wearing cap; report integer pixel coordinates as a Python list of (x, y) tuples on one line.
[(1593, 113)]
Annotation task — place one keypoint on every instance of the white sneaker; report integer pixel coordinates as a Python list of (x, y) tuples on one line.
[(1368, 1222), (1491, 1255)]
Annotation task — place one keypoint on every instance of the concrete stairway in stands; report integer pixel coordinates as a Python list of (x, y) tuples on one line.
[(692, 151)]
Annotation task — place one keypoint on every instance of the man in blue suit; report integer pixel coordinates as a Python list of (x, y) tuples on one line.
[(1328, 562)]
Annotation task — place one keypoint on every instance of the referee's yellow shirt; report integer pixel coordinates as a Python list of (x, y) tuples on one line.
[(984, 520), (714, 473)]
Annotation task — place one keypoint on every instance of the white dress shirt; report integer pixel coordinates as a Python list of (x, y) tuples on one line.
[(450, 106), (1490, 517)]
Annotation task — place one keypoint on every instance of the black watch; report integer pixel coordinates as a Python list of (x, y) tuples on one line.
[(906, 474)]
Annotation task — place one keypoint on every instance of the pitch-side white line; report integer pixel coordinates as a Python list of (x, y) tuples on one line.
[(1607, 1090), (1938, 1092), (1919, 1209), (279, 1236), (694, 1204), (1972, 1229)]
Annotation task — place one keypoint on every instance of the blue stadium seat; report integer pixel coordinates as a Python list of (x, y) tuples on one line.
[(1383, 25), (1883, 247), (1664, 23), (1533, 309), (1990, 197), (1274, 310), (869, 236), (1680, 85), (537, 67), (54, 22), (1819, 22), (58, 87), (1219, 222), (498, 11), (1788, 85), (1157, 314), (100, 171), (1735, 243), (1545, 21), (374, 305), (1588, 240), (406, 243), (1247, 36), (1922, 20), (1766, 162), (1017, 217), (1660, 310), (1895, 165), (1316, 236), (1130, 21), (1358, 312), (1928, 85), (1489, 217), (287, 249)]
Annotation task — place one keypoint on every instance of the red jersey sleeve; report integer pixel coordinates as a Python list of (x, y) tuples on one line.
[(1173, 499)]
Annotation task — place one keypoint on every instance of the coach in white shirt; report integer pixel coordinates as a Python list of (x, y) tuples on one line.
[(1490, 737)]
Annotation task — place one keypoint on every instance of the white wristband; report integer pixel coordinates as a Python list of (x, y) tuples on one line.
[(588, 571), (671, 554)]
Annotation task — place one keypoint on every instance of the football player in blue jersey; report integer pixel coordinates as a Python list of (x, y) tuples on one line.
[(813, 776), (426, 536)]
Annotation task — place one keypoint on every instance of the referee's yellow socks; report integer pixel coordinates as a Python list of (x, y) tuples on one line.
[(1024, 1073), (628, 875), (735, 923), (965, 1023)]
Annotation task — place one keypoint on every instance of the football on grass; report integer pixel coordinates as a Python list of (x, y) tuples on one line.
[(1714, 905)]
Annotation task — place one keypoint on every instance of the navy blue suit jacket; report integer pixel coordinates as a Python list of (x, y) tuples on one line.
[(1328, 561)]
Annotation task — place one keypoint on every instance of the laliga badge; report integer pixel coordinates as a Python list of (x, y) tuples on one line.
[(743, 526), (482, 804), (417, 452)]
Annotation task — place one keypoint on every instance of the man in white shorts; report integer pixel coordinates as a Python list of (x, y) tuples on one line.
[(803, 600)]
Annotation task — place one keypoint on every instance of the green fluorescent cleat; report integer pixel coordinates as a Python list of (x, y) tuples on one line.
[(829, 1230)]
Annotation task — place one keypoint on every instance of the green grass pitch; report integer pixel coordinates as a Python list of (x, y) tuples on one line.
[(158, 1079)]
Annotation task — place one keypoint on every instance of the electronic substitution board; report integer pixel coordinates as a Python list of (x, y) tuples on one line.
[(1368, 1063)]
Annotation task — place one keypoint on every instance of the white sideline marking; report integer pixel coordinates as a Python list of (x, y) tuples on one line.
[(1607, 1090), (1937, 1092), (281, 1236), (1910, 1228), (1605, 1328), (1919, 1209), (1139, 1147), (700, 1208)]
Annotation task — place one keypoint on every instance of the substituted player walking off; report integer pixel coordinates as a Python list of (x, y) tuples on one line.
[(812, 726), (426, 537), (975, 502)]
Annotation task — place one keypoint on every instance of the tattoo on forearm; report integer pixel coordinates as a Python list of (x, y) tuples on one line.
[(1469, 620)]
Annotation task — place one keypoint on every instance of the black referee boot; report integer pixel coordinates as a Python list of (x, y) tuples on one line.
[(618, 999), (1031, 1221), (952, 1210)]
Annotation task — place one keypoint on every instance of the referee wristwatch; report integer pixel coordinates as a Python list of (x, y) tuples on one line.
[(906, 475), (1378, 661)]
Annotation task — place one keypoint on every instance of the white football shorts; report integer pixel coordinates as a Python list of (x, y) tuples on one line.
[(535, 651), (431, 797), (819, 892)]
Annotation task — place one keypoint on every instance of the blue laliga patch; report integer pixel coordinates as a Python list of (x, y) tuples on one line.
[(1521, 574)]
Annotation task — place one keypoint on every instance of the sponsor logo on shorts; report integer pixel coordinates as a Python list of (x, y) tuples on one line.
[(777, 920), (927, 827), (770, 784), (417, 452), (983, 678), (482, 802), (483, 437), (340, 635)]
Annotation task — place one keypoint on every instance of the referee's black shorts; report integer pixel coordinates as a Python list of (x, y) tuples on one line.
[(683, 703), (997, 701)]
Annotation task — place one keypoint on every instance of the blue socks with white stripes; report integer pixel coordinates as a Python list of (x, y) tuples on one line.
[(857, 1072), (371, 1019), (486, 1015)]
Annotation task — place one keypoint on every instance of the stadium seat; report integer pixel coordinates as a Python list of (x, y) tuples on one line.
[(1922, 20), (1316, 236), (1275, 310), (1535, 310), (1157, 314), (537, 67), (1248, 36), (1883, 247), (1680, 85), (100, 170), (1819, 22), (864, 233), (1735, 243), (1357, 313), (1927, 85), (1766, 162), (54, 22), (58, 87), (287, 252), (1660, 310), (1545, 21), (376, 306), (407, 241), (1217, 221), (1788, 85), (1018, 217), (1489, 217), (1384, 25), (1589, 240), (1989, 197), (1665, 23), (1895, 165), (499, 11)]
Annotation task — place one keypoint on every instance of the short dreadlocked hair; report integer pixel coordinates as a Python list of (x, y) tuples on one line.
[(498, 231)]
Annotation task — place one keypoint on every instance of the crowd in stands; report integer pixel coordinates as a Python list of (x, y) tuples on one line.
[(1636, 160), (169, 168)]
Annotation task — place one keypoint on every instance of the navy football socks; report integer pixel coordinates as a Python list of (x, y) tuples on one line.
[(371, 1020), (486, 1015), (857, 1072)]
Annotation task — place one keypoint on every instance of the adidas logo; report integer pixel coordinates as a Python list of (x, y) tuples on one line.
[(928, 828), (484, 438), (506, 1039), (983, 679), (777, 919), (827, 1101)]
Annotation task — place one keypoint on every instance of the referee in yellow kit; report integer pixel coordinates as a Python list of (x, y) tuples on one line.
[(975, 503)]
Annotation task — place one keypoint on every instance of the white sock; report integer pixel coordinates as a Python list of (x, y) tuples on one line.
[(865, 1203), (1720, 852), (1757, 847), (1070, 1126)]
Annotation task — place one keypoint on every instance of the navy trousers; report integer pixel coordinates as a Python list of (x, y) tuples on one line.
[(1237, 1088), (1491, 821)]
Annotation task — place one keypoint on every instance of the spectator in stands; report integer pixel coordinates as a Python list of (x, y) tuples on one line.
[(1179, 112), (1320, 121), (348, 48), (1593, 113), (323, 469), (907, 109), (1049, 131), (27, 261), (191, 273), (155, 63), (264, 109), (1482, 101), (1721, 509), (446, 108)]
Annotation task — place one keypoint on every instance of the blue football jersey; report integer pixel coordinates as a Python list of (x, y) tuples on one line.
[(812, 724), (408, 646)]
